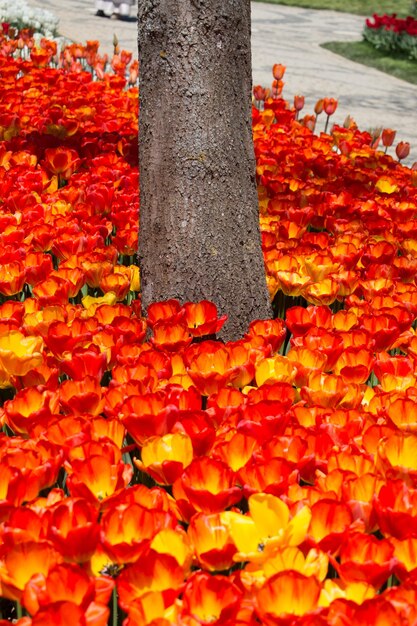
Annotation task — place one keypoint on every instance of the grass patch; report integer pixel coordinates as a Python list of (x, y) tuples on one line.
[(360, 7), (363, 52)]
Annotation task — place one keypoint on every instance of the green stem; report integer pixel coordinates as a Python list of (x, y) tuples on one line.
[(19, 610), (115, 608)]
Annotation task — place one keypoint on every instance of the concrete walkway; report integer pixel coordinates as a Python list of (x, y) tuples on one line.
[(290, 36)]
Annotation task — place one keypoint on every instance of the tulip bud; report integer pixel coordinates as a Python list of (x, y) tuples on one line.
[(402, 150), (278, 71), (259, 93), (329, 105), (115, 44), (319, 106), (388, 136), (298, 102), (375, 136)]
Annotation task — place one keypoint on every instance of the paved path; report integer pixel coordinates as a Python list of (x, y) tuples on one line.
[(290, 36)]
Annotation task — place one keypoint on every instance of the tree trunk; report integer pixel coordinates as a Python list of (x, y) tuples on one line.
[(199, 223)]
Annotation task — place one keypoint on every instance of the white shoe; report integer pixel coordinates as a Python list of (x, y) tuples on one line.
[(124, 9), (104, 8)]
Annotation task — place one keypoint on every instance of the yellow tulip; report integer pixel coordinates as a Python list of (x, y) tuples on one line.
[(268, 526), (20, 354)]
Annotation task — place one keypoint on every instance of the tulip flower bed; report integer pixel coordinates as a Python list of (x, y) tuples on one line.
[(175, 479), (392, 34)]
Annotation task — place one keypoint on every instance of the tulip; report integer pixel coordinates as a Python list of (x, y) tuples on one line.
[(202, 318), (208, 485), (366, 558), (165, 458), (278, 71), (329, 523), (74, 529), (402, 150), (153, 573), (388, 136), (298, 105), (329, 107), (211, 599), (20, 354), (260, 94), (287, 594), (268, 526), (175, 542), (21, 561), (210, 537), (127, 531), (62, 161), (318, 107)]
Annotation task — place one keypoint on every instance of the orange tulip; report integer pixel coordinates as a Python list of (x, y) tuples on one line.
[(63, 583), (306, 362), (260, 93), (52, 291), (328, 343), (211, 599), (148, 415), (81, 396), (366, 558), (202, 318), (21, 561), (74, 529), (168, 310), (209, 485), (396, 454), (211, 365), (396, 509), (12, 278), (278, 71), (115, 283), (171, 336), (210, 537), (272, 331), (153, 573), (388, 136), (29, 407), (329, 523), (175, 542), (329, 105), (354, 365), (166, 457), (403, 413), (402, 150), (324, 390), (287, 594), (236, 451), (275, 369), (97, 477), (61, 161), (271, 476), (405, 551), (20, 354), (318, 107), (358, 493), (126, 531)]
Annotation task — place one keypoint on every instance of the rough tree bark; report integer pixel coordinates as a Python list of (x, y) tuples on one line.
[(199, 225)]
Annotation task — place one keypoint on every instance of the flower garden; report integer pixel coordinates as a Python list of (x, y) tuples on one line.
[(151, 474), (393, 34)]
